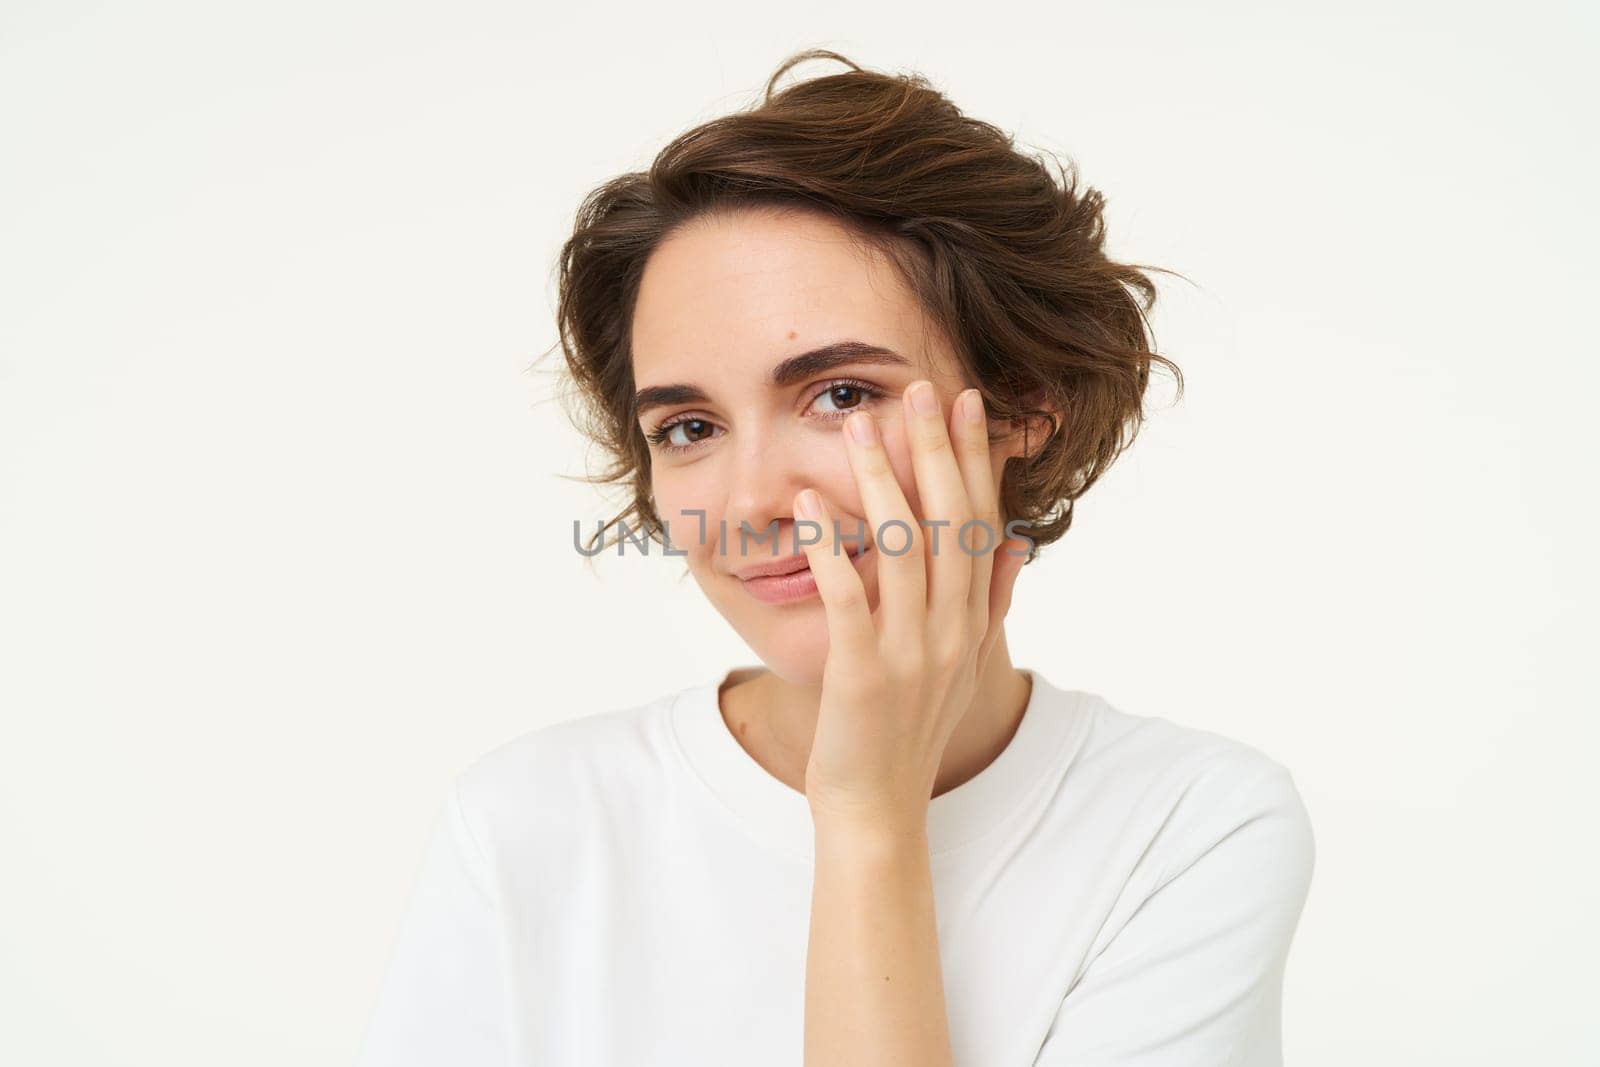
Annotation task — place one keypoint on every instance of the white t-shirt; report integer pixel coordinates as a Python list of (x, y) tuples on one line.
[(632, 888)]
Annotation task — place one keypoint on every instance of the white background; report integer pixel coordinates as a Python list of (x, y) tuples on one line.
[(285, 539)]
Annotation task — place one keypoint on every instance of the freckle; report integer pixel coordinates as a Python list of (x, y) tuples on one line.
[(793, 334), (744, 728)]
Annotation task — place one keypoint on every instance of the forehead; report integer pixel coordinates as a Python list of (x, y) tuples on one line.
[(738, 292)]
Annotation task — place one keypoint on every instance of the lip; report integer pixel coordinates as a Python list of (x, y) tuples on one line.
[(795, 583), (779, 567)]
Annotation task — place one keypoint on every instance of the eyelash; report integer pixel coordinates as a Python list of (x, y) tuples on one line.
[(658, 436)]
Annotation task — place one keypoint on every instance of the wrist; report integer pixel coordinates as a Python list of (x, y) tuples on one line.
[(880, 831)]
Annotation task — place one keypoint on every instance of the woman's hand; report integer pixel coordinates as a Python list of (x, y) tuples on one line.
[(897, 681)]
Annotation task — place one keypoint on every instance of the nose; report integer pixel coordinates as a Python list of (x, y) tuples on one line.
[(767, 468)]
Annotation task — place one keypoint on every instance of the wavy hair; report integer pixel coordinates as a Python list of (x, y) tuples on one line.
[(1005, 257)]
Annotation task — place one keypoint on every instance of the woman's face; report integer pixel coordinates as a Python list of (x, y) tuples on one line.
[(723, 304)]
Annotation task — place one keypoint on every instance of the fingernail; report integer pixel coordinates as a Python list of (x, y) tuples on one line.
[(972, 406), (806, 505), (862, 429), (923, 400)]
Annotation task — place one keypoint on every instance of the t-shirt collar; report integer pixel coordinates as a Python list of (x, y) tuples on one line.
[(781, 816)]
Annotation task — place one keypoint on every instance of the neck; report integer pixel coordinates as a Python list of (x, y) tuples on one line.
[(774, 721)]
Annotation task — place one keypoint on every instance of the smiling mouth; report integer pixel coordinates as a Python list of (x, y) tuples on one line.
[(798, 586), (785, 568)]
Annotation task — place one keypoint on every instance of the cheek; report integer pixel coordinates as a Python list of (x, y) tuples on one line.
[(690, 517), (835, 477)]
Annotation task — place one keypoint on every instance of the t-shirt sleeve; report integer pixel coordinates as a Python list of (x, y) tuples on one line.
[(1194, 978), (446, 995)]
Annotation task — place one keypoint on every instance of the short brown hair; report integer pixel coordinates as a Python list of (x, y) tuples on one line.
[(1006, 261)]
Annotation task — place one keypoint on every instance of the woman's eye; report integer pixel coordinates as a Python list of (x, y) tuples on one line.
[(836, 399), (845, 397), (669, 439)]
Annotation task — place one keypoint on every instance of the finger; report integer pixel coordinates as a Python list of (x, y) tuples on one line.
[(902, 579), (844, 598), (1008, 561), (943, 496), (984, 536)]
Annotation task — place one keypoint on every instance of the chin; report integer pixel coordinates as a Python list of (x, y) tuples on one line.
[(790, 640), (796, 661)]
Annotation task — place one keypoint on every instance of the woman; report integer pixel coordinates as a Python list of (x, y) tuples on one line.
[(854, 358)]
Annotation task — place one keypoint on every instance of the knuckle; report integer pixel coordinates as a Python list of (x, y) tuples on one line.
[(904, 540), (849, 599), (910, 665), (917, 544), (959, 517), (948, 650), (984, 535), (934, 439)]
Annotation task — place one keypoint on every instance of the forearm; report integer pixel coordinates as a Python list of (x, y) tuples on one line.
[(874, 987)]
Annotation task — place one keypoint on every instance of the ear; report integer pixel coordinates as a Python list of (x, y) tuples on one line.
[(1026, 437)]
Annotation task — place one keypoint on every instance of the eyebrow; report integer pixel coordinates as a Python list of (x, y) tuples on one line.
[(790, 371)]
